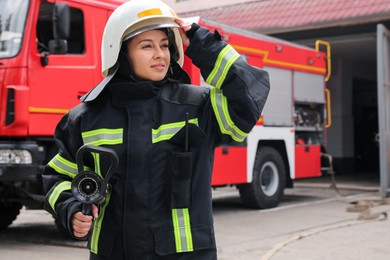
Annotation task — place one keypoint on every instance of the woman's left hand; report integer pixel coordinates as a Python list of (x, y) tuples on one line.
[(184, 27)]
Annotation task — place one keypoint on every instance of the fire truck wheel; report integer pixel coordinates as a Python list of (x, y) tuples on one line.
[(269, 176), (9, 212)]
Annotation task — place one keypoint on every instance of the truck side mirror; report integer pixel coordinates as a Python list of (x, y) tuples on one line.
[(61, 29)]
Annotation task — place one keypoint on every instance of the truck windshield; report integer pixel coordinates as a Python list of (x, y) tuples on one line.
[(12, 22)]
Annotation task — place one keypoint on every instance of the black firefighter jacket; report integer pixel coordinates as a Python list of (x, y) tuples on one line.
[(159, 203)]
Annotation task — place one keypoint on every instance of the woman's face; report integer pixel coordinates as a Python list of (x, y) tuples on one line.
[(149, 55)]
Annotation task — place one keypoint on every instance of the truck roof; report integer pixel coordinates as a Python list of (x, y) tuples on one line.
[(106, 4), (252, 34)]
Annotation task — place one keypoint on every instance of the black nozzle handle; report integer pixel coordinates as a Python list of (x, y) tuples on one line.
[(102, 151), (87, 209)]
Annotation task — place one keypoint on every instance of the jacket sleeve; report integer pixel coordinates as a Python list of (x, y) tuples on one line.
[(59, 172), (239, 91)]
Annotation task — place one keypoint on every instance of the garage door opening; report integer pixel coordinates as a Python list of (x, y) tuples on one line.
[(365, 114)]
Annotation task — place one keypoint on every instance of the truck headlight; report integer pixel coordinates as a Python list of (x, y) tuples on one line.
[(15, 157)]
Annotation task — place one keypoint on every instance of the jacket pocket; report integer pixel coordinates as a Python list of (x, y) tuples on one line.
[(179, 181), (166, 242)]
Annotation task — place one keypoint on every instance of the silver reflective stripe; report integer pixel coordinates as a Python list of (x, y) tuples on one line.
[(166, 131), (182, 230), (103, 136), (224, 61), (63, 166), (226, 124), (55, 194)]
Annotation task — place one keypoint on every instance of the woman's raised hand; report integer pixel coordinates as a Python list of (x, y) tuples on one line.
[(184, 27)]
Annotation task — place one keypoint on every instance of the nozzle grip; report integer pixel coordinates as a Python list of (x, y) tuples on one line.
[(87, 209), (102, 151)]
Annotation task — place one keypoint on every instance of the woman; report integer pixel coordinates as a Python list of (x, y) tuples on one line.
[(164, 132)]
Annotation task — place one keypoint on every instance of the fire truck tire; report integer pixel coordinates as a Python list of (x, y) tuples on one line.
[(269, 177), (9, 212)]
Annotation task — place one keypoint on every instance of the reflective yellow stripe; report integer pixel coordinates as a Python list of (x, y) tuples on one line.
[(98, 221), (96, 158), (150, 12), (55, 194), (187, 229), (224, 61), (182, 230), (214, 72), (97, 225), (226, 124), (165, 132), (63, 166), (103, 136), (176, 230)]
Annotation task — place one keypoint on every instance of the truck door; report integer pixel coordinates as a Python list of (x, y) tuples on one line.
[(57, 82), (383, 67)]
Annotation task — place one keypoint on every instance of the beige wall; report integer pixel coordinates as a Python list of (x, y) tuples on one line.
[(194, 5)]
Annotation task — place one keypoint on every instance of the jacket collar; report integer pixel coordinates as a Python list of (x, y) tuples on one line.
[(122, 92)]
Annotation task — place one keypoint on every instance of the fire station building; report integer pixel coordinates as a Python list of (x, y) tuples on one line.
[(359, 82)]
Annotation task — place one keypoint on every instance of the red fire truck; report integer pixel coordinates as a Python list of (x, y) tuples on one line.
[(50, 57), (289, 140)]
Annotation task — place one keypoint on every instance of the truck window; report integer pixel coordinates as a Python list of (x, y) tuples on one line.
[(76, 40), (12, 22)]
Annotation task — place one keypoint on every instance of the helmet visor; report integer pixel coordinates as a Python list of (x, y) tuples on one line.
[(148, 28)]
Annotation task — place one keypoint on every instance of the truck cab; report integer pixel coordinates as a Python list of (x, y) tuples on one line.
[(49, 58)]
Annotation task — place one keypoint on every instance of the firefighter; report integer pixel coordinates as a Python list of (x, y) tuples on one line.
[(164, 131)]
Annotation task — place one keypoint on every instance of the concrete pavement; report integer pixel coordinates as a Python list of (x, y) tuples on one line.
[(327, 229), (312, 222)]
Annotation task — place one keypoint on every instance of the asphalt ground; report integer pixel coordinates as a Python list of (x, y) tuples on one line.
[(313, 221)]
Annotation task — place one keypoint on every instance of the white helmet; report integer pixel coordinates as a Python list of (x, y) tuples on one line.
[(132, 18)]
